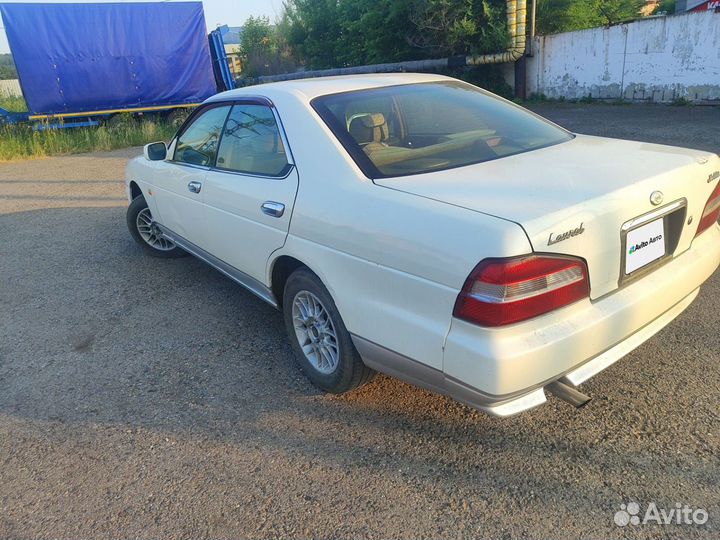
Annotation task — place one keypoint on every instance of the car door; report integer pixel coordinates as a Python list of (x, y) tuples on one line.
[(249, 194), (179, 182)]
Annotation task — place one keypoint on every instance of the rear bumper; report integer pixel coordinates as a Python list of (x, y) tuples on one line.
[(503, 371)]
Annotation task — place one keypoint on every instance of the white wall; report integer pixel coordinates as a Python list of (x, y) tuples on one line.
[(10, 88), (654, 59)]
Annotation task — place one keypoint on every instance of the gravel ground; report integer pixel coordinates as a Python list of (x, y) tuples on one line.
[(154, 398)]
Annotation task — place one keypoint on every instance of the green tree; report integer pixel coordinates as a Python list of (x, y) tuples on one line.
[(617, 11), (264, 48), (337, 33), (316, 32), (374, 31), (555, 16), (321, 34), (256, 45), (665, 6), (452, 27)]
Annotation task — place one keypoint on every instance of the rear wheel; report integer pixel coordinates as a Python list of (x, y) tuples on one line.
[(322, 345), (177, 117), (146, 232), (121, 120)]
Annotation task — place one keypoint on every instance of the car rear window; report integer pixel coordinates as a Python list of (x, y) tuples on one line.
[(418, 128)]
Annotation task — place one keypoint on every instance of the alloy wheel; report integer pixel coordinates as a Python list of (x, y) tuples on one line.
[(150, 232), (315, 332)]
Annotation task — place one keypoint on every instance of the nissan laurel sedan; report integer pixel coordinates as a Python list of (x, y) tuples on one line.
[(422, 227)]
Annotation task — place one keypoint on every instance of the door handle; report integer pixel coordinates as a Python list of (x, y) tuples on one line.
[(194, 187), (272, 208)]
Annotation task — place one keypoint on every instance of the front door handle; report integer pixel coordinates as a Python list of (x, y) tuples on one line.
[(194, 187), (272, 208)]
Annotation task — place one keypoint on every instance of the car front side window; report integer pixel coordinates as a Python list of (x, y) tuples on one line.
[(198, 143), (251, 143)]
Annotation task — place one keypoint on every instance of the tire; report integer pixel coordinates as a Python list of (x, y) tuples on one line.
[(177, 117), (304, 292), (139, 221), (121, 120)]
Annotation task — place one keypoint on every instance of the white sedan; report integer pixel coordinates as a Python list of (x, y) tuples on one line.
[(422, 227)]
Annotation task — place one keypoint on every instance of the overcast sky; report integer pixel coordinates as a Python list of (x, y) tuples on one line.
[(230, 12)]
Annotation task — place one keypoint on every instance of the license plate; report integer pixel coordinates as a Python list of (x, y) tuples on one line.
[(644, 245)]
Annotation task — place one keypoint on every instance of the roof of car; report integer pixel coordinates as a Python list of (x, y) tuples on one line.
[(320, 86)]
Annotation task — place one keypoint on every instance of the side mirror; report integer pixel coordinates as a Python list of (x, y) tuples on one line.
[(156, 151)]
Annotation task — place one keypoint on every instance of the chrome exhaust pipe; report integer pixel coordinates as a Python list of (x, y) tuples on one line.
[(567, 393)]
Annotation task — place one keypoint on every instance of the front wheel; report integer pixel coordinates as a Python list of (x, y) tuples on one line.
[(322, 345), (146, 232)]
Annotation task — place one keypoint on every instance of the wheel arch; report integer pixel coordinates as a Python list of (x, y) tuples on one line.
[(280, 270), (135, 190), (282, 267)]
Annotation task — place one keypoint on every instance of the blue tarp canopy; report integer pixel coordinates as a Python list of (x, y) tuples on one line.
[(74, 58)]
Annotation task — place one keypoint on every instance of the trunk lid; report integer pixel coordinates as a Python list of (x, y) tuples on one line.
[(574, 198)]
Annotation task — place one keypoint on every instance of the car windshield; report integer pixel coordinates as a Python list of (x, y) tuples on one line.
[(418, 128)]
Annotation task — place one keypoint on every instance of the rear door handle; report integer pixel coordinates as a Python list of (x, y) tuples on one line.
[(272, 208), (194, 187)]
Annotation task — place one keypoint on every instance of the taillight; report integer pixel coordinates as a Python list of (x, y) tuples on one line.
[(506, 291), (711, 213)]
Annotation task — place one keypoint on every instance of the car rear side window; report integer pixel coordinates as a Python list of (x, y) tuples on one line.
[(198, 143), (251, 143), (419, 128)]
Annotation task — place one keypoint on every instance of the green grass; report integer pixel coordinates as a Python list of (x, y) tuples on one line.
[(14, 104), (21, 142)]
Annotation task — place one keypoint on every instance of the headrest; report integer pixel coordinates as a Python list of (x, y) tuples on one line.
[(367, 128), (373, 120)]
